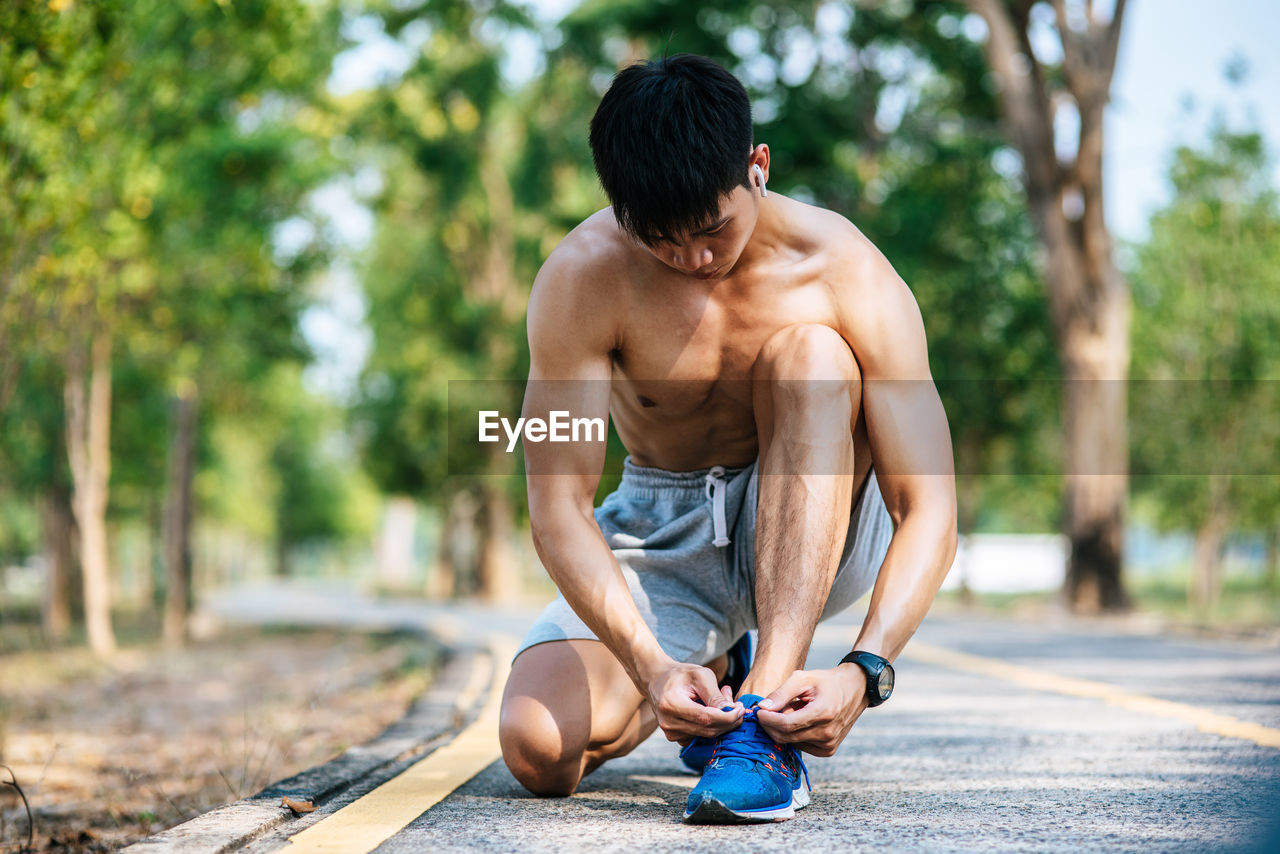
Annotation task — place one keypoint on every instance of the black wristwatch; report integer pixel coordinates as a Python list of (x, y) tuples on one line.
[(879, 674)]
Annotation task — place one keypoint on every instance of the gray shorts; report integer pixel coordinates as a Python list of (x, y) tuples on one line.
[(686, 544)]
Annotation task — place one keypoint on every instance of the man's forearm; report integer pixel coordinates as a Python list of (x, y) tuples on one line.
[(581, 564), (919, 556)]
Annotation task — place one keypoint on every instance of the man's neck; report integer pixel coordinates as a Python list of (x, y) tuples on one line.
[(766, 239)]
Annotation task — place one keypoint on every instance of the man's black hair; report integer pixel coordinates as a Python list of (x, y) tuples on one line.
[(669, 138)]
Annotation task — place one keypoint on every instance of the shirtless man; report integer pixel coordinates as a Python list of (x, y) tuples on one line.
[(766, 369)]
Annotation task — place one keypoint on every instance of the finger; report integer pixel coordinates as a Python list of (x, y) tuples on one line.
[(812, 714), (707, 688), (722, 728), (787, 733), (820, 739), (796, 685), (779, 727), (683, 731), (698, 718), (814, 748), (730, 716)]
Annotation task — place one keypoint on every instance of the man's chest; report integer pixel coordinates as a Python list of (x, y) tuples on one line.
[(681, 351)]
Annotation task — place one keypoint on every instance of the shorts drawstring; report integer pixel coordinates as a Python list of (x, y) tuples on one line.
[(715, 491)]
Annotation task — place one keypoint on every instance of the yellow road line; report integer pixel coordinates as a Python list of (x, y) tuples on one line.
[(1205, 720), (367, 822)]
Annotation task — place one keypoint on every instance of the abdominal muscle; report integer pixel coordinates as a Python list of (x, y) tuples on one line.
[(686, 428), (695, 421)]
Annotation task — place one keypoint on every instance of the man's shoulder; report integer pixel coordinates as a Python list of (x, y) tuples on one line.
[(582, 284), (874, 305), (593, 254), (849, 252)]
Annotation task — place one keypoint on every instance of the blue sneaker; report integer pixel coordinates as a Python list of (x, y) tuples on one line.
[(750, 778), (697, 753)]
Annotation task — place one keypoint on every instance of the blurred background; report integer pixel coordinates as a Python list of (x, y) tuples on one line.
[(246, 244)]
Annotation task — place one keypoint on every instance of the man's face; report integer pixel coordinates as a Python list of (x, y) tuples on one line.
[(711, 251)]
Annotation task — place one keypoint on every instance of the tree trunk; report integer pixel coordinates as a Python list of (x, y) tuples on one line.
[(1088, 298), (395, 543), (59, 529), (442, 581), (498, 569), (452, 573), (282, 556), (151, 592), (177, 517), (89, 451), (1206, 582), (1096, 450), (1272, 559)]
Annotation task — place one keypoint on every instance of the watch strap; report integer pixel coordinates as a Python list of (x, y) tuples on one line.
[(872, 665)]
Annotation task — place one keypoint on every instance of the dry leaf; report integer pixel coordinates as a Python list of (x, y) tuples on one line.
[(297, 806)]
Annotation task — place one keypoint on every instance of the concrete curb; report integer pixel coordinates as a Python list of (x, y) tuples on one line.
[(432, 720)]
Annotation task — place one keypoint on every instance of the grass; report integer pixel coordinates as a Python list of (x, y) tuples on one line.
[(1247, 602), (20, 629), (110, 752)]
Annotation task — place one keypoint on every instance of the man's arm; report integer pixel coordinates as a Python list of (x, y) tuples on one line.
[(911, 450), (571, 338)]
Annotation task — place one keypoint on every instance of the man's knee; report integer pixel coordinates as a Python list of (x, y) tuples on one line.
[(807, 369), (568, 706), (543, 754), (806, 351)]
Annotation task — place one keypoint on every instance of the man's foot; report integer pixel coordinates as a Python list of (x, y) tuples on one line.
[(697, 753), (750, 778)]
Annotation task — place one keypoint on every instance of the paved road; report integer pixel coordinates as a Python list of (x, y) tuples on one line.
[(966, 756)]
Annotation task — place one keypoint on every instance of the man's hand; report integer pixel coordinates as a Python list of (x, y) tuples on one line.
[(815, 709), (688, 702)]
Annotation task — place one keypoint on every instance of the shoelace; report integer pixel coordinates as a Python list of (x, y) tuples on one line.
[(749, 741)]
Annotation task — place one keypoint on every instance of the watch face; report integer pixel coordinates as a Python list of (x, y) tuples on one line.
[(885, 683)]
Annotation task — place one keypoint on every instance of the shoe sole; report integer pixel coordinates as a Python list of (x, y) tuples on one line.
[(712, 811)]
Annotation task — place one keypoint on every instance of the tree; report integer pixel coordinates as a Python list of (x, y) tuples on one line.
[(139, 230), (1088, 298), (1207, 283), (310, 502), (447, 290), (224, 310), (33, 463), (879, 112)]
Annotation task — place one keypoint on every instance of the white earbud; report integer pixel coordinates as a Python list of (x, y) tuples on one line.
[(755, 167)]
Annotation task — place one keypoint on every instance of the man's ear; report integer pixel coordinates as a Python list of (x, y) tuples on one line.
[(759, 157)]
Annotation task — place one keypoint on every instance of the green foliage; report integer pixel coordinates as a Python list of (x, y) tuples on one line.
[(148, 151), (444, 277), (1205, 337), (311, 497), (894, 126)]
